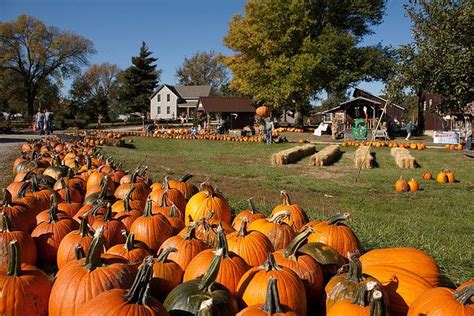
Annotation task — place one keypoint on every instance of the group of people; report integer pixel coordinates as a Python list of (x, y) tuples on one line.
[(43, 122)]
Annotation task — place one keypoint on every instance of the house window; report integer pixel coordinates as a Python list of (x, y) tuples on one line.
[(168, 98), (159, 97), (158, 110), (168, 109)]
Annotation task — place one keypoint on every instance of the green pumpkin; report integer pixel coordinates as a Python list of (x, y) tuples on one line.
[(202, 295)]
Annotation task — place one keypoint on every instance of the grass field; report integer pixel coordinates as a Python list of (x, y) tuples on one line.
[(438, 219)]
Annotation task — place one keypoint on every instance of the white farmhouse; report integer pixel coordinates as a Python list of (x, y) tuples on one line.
[(169, 102)]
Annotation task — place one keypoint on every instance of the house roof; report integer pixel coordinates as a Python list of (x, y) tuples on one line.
[(193, 92), (341, 105), (185, 92), (375, 96), (226, 105)]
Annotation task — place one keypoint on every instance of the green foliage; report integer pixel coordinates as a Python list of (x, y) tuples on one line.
[(203, 68), (138, 82), (441, 58), (288, 51), (36, 52)]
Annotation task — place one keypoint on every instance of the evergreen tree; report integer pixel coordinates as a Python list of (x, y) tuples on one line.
[(139, 81)]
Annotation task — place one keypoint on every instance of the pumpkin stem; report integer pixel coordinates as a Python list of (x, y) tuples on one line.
[(191, 232), (270, 264), (163, 255), (210, 277), (278, 217), (14, 262), (272, 302), (88, 161), (34, 183), (243, 227), (172, 211), (22, 191), (127, 198), (5, 228), (53, 211), (139, 292), (297, 242), (363, 293), (207, 187), (103, 187), (129, 240), (68, 193), (148, 208), (355, 268), (107, 217), (338, 218), (222, 241), (7, 197), (205, 309), (377, 304), (98, 204), (79, 252), (93, 259), (134, 176), (166, 185), (163, 198), (286, 197), (465, 294), (83, 227), (252, 208), (185, 178)]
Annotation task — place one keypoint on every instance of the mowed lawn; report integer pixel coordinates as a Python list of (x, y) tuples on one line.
[(438, 219)]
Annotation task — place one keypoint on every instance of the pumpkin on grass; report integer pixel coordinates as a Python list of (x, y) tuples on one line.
[(451, 177), (427, 175), (188, 297), (413, 185), (205, 202), (134, 301), (134, 251), (444, 301), (187, 247), (335, 233), (442, 177), (297, 216), (231, 268), (251, 214), (24, 289), (272, 304), (24, 240), (251, 246), (276, 229), (81, 280), (303, 265), (67, 247), (401, 185), (411, 259), (291, 290), (167, 275)]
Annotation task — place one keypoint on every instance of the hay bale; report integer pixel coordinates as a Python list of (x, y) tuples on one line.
[(362, 159), (292, 155), (325, 157), (403, 158)]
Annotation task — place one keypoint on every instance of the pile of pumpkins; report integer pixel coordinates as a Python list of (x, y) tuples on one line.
[(81, 236), (453, 147), (444, 176), (289, 129), (390, 144)]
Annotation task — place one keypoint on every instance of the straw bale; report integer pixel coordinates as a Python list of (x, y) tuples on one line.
[(292, 155), (359, 156), (325, 157)]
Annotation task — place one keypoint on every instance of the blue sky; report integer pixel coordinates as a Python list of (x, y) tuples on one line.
[(173, 29)]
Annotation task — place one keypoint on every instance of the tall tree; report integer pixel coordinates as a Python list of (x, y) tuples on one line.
[(287, 51), (38, 52), (441, 58), (139, 81), (203, 68), (93, 92)]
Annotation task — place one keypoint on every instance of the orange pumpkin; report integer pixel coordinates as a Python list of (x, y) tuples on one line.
[(442, 177), (278, 232), (202, 203), (335, 233), (444, 301), (263, 111), (451, 177), (135, 252), (401, 185), (112, 227), (251, 214), (186, 188), (167, 274), (297, 216), (427, 175), (24, 240), (413, 185), (367, 301)]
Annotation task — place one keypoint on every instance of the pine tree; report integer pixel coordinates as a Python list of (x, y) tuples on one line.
[(139, 81)]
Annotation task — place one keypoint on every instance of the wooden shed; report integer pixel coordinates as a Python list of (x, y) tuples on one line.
[(237, 111)]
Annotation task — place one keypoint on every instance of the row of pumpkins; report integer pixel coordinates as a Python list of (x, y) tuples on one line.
[(118, 243), (390, 144), (444, 176)]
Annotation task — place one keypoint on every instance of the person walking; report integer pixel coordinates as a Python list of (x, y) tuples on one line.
[(48, 119), (409, 128), (39, 122), (269, 131)]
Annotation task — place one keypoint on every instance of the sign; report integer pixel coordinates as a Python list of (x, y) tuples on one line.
[(445, 137)]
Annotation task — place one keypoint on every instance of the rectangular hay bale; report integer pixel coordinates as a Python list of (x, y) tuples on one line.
[(325, 156), (361, 160), (292, 155)]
